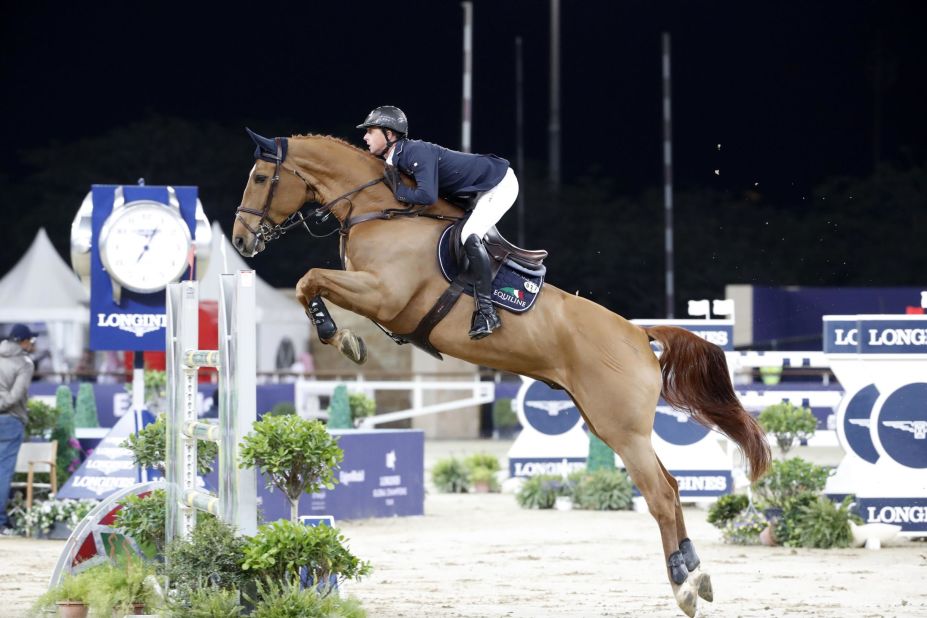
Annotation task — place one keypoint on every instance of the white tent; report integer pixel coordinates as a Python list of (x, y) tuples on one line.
[(43, 288), (279, 315)]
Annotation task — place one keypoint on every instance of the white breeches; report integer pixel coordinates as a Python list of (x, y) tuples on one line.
[(490, 206)]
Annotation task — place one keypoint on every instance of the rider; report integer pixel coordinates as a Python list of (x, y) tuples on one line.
[(440, 172)]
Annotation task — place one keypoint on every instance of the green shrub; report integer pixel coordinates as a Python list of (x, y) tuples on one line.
[(788, 423), (42, 419), (484, 476), (787, 479), (603, 490), (450, 476), (119, 587), (287, 600), (210, 557), (361, 406), (483, 460), (541, 491), (149, 448), (745, 528), (503, 416), (86, 413), (71, 588), (601, 456), (282, 408), (727, 508), (68, 457), (823, 523), (296, 455), (142, 518), (785, 525), (280, 549), (207, 602)]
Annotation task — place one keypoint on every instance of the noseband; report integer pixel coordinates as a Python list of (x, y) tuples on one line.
[(266, 229)]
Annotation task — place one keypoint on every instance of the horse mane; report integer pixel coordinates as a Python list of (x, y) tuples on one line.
[(336, 140)]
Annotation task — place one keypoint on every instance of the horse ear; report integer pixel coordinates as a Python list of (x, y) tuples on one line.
[(264, 144)]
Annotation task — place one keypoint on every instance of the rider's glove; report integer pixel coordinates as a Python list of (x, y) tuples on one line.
[(391, 175)]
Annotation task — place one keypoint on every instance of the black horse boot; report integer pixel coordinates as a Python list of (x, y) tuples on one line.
[(485, 319)]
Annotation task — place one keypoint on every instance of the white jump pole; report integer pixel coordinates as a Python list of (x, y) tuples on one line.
[(236, 502)]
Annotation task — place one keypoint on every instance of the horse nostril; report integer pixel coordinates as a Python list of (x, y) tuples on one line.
[(239, 242)]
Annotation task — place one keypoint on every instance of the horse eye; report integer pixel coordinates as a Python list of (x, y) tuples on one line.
[(260, 179)]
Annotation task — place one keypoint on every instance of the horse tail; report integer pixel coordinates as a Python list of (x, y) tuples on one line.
[(696, 381)]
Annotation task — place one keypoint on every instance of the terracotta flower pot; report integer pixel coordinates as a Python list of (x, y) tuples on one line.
[(72, 609), (768, 536), (137, 609)]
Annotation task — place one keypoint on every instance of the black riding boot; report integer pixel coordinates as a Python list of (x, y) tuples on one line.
[(485, 319)]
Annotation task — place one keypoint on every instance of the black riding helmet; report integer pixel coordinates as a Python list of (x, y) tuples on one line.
[(387, 117)]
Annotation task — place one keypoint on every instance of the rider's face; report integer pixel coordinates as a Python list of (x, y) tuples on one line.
[(375, 140)]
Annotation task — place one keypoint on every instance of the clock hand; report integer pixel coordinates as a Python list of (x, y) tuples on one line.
[(147, 244)]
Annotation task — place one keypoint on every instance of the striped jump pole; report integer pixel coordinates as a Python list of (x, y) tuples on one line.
[(236, 502)]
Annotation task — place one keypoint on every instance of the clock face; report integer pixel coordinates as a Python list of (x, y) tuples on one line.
[(144, 246)]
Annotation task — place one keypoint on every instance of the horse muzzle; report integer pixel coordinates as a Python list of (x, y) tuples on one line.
[(248, 247)]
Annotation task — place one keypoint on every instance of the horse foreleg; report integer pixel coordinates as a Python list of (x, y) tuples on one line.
[(355, 291)]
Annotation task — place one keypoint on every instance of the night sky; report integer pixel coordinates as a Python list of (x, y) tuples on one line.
[(794, 92)]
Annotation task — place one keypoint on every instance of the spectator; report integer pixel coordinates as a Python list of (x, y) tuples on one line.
[(16, 369)]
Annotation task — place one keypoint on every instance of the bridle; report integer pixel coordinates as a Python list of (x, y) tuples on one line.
[(266, 230)]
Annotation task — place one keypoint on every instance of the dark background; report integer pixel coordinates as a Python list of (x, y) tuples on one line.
[(818, 108)]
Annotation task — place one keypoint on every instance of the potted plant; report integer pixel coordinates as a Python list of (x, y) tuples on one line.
[(541, 491), (286, 598), (210, 558), (123, 588), (788, 423), (823, 523), (483, 480), (603, 490), (504, 419), (287, 551), (71, 597), (149, 448), (297, 455), (143, 518), (726, 508), (481, 470), (450, 475), (42, 420)]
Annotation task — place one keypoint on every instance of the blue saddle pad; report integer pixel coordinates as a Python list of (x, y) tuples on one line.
[(514, 288)]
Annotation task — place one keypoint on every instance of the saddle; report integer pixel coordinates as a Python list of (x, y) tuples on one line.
[(518, 276)]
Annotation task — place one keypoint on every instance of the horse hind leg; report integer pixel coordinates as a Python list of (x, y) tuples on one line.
[(662, 501), (700, 577)]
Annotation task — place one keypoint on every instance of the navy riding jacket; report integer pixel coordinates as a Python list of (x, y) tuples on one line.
[(441, 172)]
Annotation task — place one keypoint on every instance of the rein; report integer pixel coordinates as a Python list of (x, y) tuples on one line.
[(267, 230)]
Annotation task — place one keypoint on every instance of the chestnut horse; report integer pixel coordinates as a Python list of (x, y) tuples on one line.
[(603, 361)]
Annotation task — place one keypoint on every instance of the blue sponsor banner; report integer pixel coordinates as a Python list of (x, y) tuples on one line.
[(137, 323), (875, 335), (677, 427), (703, 483), (382, 475), (909, 513), (533, 466), (718, 332)]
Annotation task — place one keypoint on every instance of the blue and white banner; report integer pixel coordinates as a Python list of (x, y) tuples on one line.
[(382, 475), (876, 335), (718, 332), (138, 322)]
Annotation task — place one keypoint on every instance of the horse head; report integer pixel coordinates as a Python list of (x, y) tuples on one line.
[(274, 192), (288, 173)]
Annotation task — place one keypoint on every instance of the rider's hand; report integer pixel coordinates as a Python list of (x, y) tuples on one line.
[(391, 175)]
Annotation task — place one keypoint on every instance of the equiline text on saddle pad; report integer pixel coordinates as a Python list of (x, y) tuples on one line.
[(515, 286)]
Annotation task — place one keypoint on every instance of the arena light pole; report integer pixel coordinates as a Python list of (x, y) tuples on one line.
[(668, 178), (467, 76)]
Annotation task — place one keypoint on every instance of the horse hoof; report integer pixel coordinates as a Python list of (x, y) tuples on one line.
[(703, 583), (686, 596), (352, 346)]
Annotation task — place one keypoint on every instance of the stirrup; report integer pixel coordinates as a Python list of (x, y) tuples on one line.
[(483, 324)]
